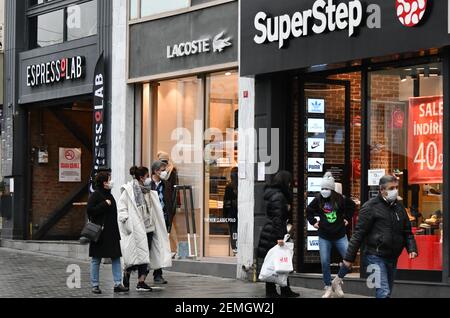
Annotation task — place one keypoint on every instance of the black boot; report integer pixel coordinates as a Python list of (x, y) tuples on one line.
[(287, 292), (271, 291)]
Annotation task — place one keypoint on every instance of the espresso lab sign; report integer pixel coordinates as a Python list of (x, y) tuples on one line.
[(425, 144), (69, 165), (56, 71)]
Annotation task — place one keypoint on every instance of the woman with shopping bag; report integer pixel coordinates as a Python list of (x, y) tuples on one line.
[(277, 196)]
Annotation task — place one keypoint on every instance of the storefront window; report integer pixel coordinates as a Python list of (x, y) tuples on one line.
[(49, 28), (221, 174), (406, 140), (195, 120), (82, 20), (67, 24), (153, 7), (176, 119)]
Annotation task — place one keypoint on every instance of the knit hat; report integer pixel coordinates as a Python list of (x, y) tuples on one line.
[(328, 182)]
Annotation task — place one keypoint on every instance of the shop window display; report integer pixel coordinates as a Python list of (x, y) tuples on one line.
[(221, 175), (405, 135), (175, 112)]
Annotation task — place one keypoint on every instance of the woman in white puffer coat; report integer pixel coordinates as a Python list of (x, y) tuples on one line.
[(144, 238)]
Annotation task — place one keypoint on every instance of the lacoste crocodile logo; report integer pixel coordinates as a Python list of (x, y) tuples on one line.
[(220, 44)]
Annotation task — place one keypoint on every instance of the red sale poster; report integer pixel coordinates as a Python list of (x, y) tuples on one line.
[(425, 156)]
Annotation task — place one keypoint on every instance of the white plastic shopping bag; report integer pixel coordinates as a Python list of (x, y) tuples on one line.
[(268, 273), (283, 258), (278, 264)]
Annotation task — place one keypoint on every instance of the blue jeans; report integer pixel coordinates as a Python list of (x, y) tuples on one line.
[(95, 271), (325, 257), (384, 271)]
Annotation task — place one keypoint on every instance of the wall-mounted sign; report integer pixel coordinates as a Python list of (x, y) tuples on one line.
[(56, 71), (290, 34), (217, 45), (322, 17), (313, 243), (99, 130), (375, 176), (316, 145), (425, 142), (69, 165), (316, 126), (314, 184), (410, 13), (315, 164), (316, 106)]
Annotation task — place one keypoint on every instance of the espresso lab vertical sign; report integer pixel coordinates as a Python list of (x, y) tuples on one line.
[(99, 120)]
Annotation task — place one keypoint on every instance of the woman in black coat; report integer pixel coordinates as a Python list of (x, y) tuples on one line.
[(277, 196), (102, 210)]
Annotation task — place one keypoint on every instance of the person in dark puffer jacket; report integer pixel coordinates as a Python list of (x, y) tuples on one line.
[(278, 197), (385, 230)]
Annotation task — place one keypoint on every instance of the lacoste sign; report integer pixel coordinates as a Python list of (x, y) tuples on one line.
[(201, 46)]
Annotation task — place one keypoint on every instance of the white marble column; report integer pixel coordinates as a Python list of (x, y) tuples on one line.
[(122, 115), (247, 140)]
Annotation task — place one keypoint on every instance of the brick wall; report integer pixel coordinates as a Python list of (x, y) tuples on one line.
[(47, 191)]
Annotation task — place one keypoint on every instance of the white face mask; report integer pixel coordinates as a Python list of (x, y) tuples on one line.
[(325, 193), (164, 175), (148, 182), (392, 195), (110, 185)]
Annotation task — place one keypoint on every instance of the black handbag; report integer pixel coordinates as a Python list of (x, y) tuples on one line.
[(92, 232)]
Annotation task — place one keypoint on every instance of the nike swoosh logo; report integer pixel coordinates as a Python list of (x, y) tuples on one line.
[(315, 146)]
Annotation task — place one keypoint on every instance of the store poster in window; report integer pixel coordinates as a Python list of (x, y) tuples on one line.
[(425, 166), (425, 144)]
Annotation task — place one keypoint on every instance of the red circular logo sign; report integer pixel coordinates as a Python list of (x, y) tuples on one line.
[(411, 12), (70, 155)]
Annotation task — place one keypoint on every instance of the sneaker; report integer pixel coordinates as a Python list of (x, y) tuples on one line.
[(96, 290), (328, 292), (121, 289), (143, 287), (159, 280), (337, 287), (126, 279)]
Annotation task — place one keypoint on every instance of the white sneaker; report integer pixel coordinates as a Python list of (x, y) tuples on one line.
[(337, 287), (328, 292)]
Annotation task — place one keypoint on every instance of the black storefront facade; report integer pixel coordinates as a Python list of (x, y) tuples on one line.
[(52, 49), (364, 89)]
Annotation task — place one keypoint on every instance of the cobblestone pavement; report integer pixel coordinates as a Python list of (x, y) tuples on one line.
[(30, 275)]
